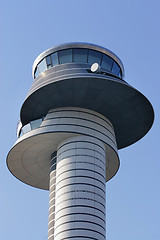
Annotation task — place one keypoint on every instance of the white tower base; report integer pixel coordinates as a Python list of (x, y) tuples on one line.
[(79, 169)]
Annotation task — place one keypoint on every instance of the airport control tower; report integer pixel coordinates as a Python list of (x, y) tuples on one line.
[(77, 114)]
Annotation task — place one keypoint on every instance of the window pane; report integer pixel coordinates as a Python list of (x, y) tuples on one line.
[(65, 56), (26, 128), (36, 73), (94, 57), (48, 60), (36, 123), (79, 55), (54, 58), (115, 69), (120, 74), (42, 66), (107, 62)]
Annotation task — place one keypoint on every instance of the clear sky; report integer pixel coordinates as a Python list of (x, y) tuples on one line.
[(131, 29)]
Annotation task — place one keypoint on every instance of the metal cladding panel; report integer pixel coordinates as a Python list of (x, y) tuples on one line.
[(129, 111), (81, 203), (29, 159)]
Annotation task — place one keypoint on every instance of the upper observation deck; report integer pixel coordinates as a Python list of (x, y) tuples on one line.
[(78, 53), (64, 77)]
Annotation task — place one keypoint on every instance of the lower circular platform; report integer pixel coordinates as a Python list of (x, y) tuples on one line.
[(29, 159)]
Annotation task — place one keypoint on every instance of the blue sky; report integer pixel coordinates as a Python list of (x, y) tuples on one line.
[(131, 30)]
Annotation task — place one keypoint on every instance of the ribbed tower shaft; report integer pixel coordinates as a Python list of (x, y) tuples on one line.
[(78, 175), (51, 220), (80, 189), (77, 210)]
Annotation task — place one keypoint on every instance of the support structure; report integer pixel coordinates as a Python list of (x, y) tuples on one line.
[(78, 113), (78, 174), (80, 189)]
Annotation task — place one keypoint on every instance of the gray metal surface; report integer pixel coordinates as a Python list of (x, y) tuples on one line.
[(29, 159), (80, 209), (72, 85)]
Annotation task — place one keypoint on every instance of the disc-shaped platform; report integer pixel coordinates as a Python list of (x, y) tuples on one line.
[(128, 110), (29, 159)]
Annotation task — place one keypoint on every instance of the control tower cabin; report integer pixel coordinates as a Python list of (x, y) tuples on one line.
[(77, 114)]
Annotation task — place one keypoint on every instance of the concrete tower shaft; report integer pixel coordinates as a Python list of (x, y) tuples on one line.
[(73, 121)]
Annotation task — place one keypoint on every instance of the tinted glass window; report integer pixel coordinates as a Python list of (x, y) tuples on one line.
[(26, 128), (94, 57), (65, 56), (120, 74), (107, 62), (54, 58), (36, 123), (79, 55), (53, 164), (115, 69), (42, 66), (36, 73), (48, 60)]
